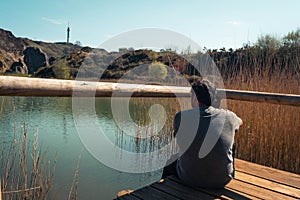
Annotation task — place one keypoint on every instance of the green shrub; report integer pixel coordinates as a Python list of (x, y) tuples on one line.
[(157, 71), (61, 72)]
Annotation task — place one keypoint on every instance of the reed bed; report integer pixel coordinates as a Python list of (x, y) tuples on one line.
[(156, 139), (271, 133), (25, 174)]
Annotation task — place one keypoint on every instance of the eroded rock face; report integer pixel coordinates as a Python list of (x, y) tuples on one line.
[(2, 66), (18, 68), (34, 58), (51, 60)]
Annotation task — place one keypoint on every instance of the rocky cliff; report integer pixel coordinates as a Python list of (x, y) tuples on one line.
[(25, 56)]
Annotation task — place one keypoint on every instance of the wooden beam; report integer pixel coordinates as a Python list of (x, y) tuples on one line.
[(274, 98), (23, 86)]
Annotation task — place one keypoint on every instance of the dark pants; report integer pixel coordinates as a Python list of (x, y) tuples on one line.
[(170, 169), (233, 155)]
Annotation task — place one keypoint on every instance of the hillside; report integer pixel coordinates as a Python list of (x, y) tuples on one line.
[(61, 60), (25, 56)]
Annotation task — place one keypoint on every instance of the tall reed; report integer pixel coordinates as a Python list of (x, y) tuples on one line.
[(271, 133), (25, 171), (25, 174)]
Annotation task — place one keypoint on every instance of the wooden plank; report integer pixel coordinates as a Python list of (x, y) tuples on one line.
[(268, 173), (267, 184), (251, 190), (256, 191), (181, 191), (228, 193), (127, 197), (23, 86), (252, 181), (225, 193), (150, 193), (273, 98), (245, 186)]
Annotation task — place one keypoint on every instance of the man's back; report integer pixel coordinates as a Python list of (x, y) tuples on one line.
[(206, 160)]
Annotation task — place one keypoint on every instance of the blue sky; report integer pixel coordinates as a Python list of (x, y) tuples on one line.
[(211, 24)]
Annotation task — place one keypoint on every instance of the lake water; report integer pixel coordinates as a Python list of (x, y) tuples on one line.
[(53, 120)]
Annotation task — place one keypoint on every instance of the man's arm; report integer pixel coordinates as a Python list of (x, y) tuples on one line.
[(176, 123), (241, 122), (237, 121)]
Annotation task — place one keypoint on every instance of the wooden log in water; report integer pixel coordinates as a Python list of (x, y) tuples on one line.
[(23, 86)]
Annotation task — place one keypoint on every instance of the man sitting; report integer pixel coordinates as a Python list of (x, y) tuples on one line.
[(205, 136)]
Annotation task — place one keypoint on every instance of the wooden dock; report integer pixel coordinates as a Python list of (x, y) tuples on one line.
[(252, 181)]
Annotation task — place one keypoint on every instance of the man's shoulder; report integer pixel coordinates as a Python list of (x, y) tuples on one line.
[(185, 111), (213, 110), (210, 111), (188, 112), (227, 114)]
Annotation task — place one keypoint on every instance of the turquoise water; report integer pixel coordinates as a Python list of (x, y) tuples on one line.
[(52, 119)]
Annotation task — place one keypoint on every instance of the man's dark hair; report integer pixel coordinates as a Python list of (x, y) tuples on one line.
[(205, 92)]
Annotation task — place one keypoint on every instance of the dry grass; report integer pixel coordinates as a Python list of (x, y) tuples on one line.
[(25, 171), (73, 193), (270, 135), (139, 110), (25, 174)]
